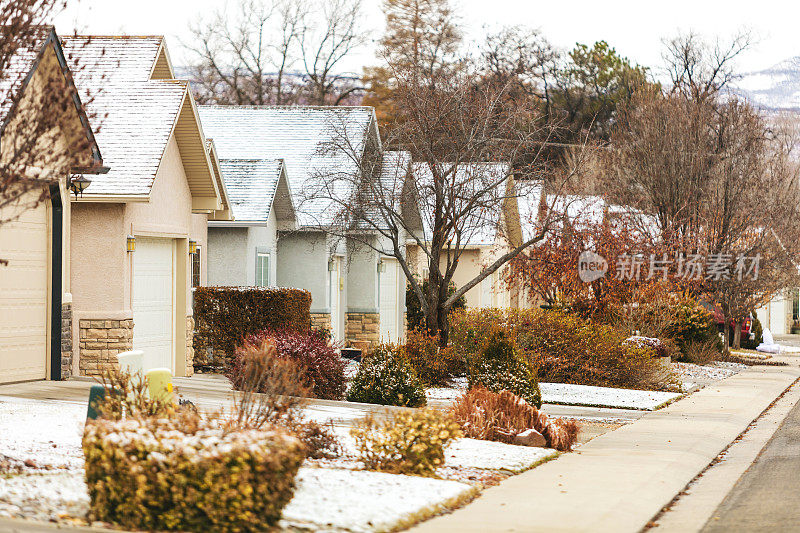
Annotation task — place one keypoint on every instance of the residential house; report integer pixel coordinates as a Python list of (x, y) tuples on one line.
[(134, 227), (485, 239), (342, 277), (244, 249), (35, 292)]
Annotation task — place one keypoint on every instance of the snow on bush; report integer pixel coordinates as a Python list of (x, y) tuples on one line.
[(409, 443), (188, 473), (386, 378), (501, 367)]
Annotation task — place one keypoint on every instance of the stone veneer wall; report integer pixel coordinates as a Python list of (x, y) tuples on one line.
[(362, 327), (189, 346), (321, 320), (100, 342), (66, 340)]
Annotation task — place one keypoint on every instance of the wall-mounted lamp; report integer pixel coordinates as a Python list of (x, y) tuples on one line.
[(192, 247), (79, 184), (131, 243), (331, 265), (381, 266)]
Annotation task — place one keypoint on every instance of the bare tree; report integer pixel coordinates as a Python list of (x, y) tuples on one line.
[(35, 110), (462, 140), (246, 55), (324, 42), (697, 68), (721, 182)]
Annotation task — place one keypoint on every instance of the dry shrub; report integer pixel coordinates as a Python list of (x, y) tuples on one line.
[(563, 347), (127, 394), (488, 415), (320, 440), (271, 387), (701, 352), (189, 473), (435, 366), (409, 443), (323, 368)]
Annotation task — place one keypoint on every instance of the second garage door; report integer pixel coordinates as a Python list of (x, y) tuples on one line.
[(23, 297), (153, 301)]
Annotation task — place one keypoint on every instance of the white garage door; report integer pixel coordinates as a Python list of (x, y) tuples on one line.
[(389, 301), (23, 297), (152, 301)]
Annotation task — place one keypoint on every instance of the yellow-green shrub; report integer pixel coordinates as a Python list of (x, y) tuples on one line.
[(188, 473), (386, 378), (410, 443)]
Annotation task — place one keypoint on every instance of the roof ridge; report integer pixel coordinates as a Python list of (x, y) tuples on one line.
[(107, 36), (286, 107)]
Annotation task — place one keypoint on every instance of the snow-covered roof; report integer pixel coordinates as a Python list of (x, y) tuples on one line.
[(251, 185), (302, 136), (20, 65), (581, 211), (20, 69), (481, 226), (137, 114)]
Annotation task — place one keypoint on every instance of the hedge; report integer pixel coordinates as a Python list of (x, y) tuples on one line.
[(225, 315), (162, 474)]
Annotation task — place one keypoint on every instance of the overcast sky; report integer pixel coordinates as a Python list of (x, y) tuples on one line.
[(635, 28)]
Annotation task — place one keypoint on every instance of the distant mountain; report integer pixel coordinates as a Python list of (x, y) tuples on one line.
[(776, 88)]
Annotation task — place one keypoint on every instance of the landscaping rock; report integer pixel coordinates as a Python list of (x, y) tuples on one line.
[(530, 437)]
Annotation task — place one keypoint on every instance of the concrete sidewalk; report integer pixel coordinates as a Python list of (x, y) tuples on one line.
[(620, 480)]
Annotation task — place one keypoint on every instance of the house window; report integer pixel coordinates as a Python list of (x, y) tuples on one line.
[(196, 268), (262, 269)]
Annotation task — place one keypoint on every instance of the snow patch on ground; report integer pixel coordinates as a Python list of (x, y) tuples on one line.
[(44, 497), (484, 454), (47, 432), (568, 394), (354, 500), (690, 373)]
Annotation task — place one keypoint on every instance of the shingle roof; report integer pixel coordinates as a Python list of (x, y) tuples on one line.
[(13, 77), (482, 227), (251, 185), (134, 115), (299, 135), (113, 59)]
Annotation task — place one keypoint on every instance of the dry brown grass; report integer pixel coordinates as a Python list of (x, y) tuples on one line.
[(501, 416)]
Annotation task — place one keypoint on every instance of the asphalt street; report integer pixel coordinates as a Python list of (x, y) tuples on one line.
[(767, 496)]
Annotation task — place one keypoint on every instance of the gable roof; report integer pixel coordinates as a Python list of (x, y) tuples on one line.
[(224, 212), (252, 185), (138, 117), (20, 70), (299, 135)]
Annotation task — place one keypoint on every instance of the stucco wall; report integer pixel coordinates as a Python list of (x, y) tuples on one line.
[(303, 263), (102, 269), (227, 256)]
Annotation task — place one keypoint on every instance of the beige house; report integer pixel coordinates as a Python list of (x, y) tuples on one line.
[(133, 229), (35, 280), (485, 243)]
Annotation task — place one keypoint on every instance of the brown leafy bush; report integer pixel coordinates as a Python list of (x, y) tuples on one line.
[(188, 473), (487, 415), (700, 352), (226, 315), (409, 443), (563, 347), (435, 366)]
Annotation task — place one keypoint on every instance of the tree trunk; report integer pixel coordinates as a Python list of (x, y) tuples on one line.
[(737, 335), (437, 323), (726, 329)]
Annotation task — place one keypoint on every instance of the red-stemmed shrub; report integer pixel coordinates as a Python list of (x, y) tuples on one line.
[(322, 367), (500, 416)]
